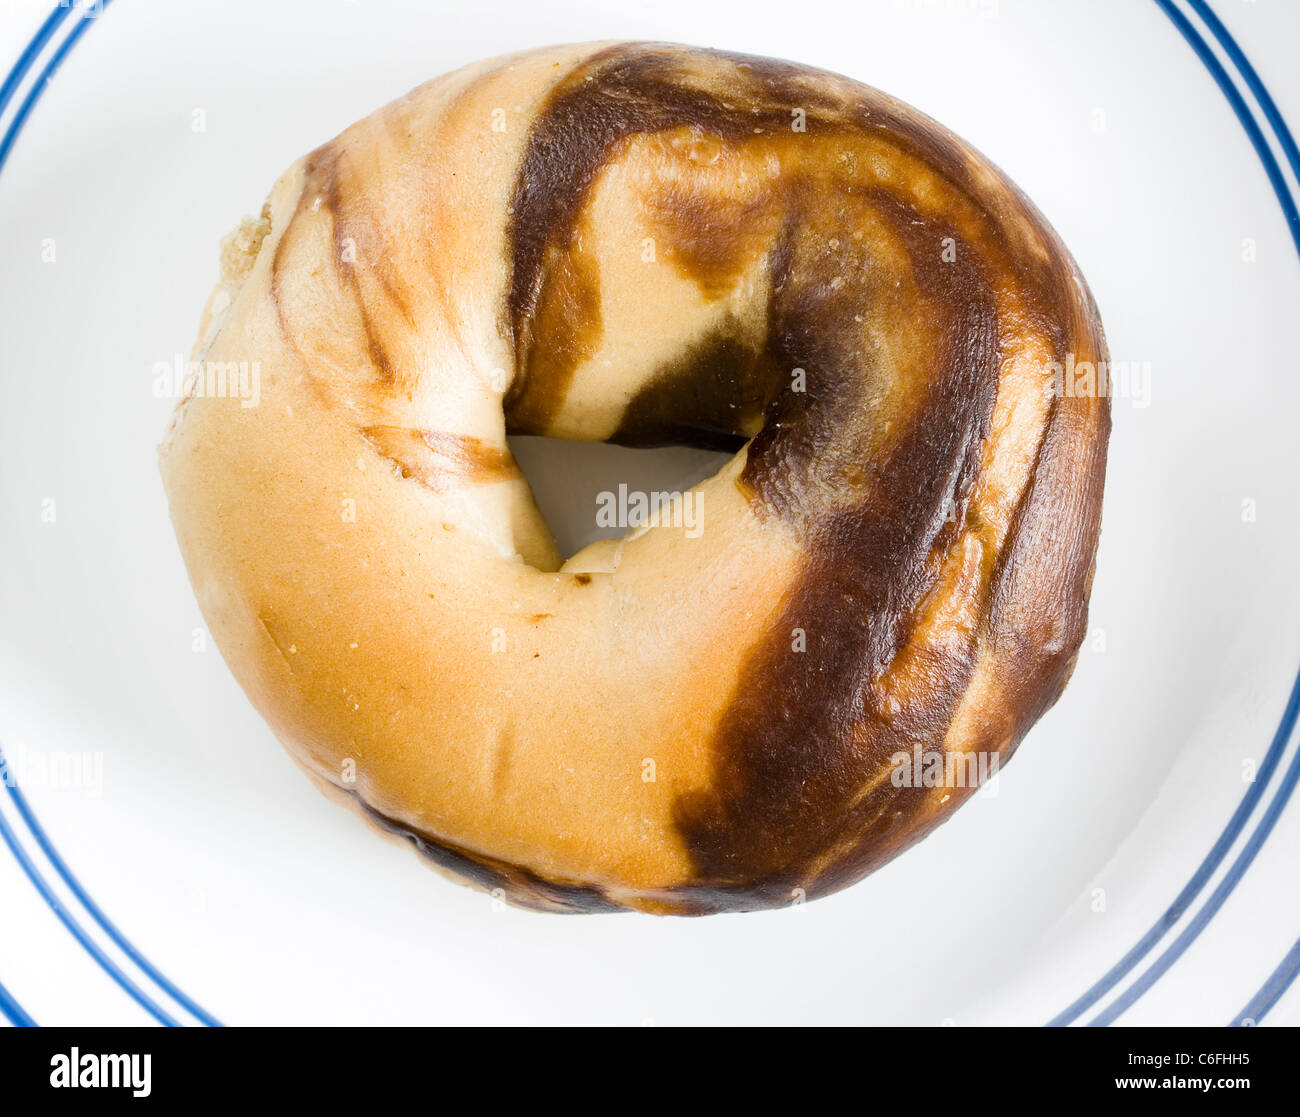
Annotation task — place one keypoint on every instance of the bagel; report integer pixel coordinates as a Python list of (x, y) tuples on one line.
[(646, 244)]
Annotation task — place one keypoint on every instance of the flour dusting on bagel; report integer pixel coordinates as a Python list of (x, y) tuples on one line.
[(646, 244)]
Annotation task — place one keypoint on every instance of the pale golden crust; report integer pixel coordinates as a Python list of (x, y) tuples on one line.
[(639, 242)]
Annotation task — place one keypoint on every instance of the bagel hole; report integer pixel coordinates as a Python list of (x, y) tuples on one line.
[(573, 481)]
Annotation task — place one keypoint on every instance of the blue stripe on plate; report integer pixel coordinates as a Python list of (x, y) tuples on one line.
[(28, 56), (1253, 83), (1285, 974), (109, 928), (1276, 749), (51, 68), (7, 92), (1201, 877), (1202, 918), (1271, 991), (13, 1011), (77, 931), (1242, 110)]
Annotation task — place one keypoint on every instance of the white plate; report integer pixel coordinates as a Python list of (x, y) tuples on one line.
[(1127, 834)]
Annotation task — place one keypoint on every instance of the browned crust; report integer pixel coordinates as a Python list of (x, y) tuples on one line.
[(441, 460)]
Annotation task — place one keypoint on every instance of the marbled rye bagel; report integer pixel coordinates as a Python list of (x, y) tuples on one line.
[(646, 244)]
